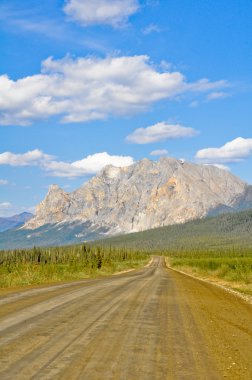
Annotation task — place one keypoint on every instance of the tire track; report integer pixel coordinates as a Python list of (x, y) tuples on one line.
[(148, 324)]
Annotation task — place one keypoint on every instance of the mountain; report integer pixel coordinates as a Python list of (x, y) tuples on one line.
[(139, 197), (50, 235), (244, 201), (144, 195), (14, 221), (232, 231)]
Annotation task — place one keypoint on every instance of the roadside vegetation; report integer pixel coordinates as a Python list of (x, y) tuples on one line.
[(229, 267), (215, 248), (218, 249), (45, 265)]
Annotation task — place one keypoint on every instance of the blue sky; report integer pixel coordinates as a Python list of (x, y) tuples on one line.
[(84, 84)]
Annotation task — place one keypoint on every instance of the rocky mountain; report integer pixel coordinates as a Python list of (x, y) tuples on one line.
[(144, 195), (14, 221), (50, 235), (230, 231), (244, 201)]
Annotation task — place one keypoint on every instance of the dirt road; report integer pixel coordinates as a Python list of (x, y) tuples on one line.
[(148, 324)]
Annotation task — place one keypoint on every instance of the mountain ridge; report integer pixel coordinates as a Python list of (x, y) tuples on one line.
[(231, 231), (14, 221), (144, 195)]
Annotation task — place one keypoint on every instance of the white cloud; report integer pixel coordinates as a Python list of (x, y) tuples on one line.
[(33, 157), (101, 12), (152, 28), (8, 209), (217, 95), (3, 182), (5, 205), (205, 85), (96, 162), (166, 66), (83, 89), (232, 151), (86, 166), (160, 132), (29, 19), (159, 152)]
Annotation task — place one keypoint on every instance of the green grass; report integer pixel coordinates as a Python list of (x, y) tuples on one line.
[(47, 265), (217, 248), (233, 269)]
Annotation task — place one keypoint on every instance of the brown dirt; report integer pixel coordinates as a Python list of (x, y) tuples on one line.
[(148, 324)]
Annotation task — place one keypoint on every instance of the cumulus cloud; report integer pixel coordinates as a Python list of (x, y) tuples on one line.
[(101, 12), (3, 182), (83, 89), (159, 152), (160, 132), (232, 151), (86, 166), (33, 157)]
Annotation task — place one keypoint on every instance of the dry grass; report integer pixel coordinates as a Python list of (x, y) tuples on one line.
[(231, 271)]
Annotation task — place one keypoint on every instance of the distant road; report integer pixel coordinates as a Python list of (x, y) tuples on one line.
[(149, 324)]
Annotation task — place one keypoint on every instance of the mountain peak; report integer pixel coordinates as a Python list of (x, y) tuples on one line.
[(111, 171), (26, 214), (144, 195), (54, 188), (52, 209)]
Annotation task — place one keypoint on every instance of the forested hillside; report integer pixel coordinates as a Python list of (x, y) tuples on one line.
[(233, 230)]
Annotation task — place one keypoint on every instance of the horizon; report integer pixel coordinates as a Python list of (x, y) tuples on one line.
[(156, 79)]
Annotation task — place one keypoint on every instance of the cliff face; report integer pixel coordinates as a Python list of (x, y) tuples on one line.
[(52, 209), (141, 196)]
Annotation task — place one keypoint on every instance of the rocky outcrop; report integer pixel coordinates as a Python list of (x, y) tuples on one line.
[(144, 195), (53, 209)]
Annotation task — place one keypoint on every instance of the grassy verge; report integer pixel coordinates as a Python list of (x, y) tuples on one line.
[(41, 266), (229, 269)]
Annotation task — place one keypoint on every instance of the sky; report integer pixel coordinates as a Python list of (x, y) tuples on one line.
[(84, 84)]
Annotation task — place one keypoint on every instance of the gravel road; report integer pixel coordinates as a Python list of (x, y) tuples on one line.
[(147, 324)]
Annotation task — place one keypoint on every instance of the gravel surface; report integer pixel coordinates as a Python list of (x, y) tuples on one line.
[(147, 324)]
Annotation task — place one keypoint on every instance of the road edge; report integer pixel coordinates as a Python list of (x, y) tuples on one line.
[(237, 294), (130, 270)]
